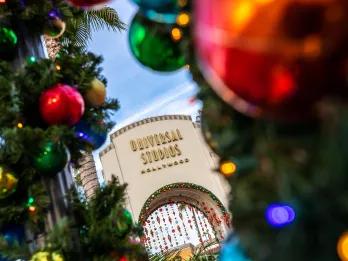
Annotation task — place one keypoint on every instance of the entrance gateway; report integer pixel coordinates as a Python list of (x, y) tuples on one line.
[(173, 190)]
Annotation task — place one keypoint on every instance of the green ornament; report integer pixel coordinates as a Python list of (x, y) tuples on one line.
[(51, 158), (122, 222), (156, 45), (8, 43)]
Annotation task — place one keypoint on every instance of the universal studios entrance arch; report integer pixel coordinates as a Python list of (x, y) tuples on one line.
[(172, 188)]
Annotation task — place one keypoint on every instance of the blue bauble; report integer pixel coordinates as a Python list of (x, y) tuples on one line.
[(12, 234), (85, 132), (159, 10), (231, 250)]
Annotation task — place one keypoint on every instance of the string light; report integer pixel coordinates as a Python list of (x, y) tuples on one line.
[(342, 247), (279, 215), (228, 168), (176, 34), (19, 125), (58, 67), (183, 19), (31, 59), (32, 209), (30, 204), (182, 3)]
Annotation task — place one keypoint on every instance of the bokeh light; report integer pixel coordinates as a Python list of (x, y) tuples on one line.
[(183, 19), (279, 215), (228, 168), (342, 247), (176, 34)]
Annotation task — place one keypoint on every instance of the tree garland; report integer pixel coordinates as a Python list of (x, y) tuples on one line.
[(174, 186)]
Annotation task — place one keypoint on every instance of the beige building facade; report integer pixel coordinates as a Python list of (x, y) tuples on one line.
[(165, 159)]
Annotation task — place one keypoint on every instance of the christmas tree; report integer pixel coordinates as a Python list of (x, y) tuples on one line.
[(50, 116), (273, 82)]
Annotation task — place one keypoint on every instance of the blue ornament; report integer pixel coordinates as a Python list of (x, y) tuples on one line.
[(279, 215), (159, 10), (12, 234), (85, 132), (231, 250)]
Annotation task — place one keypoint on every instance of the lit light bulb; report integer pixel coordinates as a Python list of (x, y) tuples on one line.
[(19, 125), (176, 34), (32, 209), (279, 215), (183, 19), (228, 168)]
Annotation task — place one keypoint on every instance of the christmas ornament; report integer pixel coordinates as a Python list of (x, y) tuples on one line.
[(8, 182), (123, 258), (160, 10), (153, 46), (85, 132), (96, 94), (51, 157), (12, 234), (121, 222), (8, 43), (231, 250), (61, 104), (47, 256), (279, 215), (277, 63), (55, 28), (342, 247), (88, 4)]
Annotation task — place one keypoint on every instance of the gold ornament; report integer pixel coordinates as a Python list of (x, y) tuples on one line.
[(47, 256), (96, 94), (8, 182), (55, 28), (342, 247)]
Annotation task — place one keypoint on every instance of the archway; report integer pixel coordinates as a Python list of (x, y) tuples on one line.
[(181, 211)]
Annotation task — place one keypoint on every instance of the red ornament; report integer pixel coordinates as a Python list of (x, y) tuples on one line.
[(88, 4), (61, 104), (123, 258), (275, 57)]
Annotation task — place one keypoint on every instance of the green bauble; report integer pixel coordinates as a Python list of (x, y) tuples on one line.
[(8, 43), (51, 158), (8, 182), (156, 45), (122, 222)]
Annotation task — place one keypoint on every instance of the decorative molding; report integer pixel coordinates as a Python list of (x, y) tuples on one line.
[(106, 150), (149, 120)]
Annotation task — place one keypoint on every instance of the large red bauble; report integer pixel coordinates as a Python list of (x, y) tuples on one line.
[(273, 58), (61, 104), (88, 4)]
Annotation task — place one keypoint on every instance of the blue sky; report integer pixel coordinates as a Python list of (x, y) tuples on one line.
[(141, 92)]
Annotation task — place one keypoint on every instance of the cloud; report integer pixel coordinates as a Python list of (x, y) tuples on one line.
[(165, 104)]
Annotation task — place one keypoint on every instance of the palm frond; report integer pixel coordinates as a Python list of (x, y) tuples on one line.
[(81, 25), (105, 18)]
